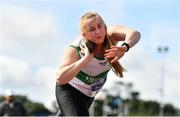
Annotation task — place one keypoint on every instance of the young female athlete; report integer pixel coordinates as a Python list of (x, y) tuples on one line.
[(87, 62)]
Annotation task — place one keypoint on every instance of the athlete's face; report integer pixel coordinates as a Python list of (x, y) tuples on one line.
[(94, 30)]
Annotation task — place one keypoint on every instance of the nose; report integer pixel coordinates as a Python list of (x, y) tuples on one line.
[(97, 31)]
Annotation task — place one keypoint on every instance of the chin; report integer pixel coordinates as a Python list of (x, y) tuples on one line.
[(99, 43)]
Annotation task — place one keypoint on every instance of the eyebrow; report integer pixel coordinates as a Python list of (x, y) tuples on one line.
[(100, 23)]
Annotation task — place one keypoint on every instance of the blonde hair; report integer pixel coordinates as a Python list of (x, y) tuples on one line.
[(116, 66)]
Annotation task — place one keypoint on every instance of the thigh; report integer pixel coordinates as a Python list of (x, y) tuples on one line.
[(64, 96), (72, 102), (83, 105)]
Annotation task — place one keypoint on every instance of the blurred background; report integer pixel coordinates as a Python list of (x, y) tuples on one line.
[(34, 35)]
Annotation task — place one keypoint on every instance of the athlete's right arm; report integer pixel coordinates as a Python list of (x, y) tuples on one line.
[(71, 66)]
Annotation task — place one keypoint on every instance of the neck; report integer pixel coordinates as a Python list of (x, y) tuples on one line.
[(99, 52), (99, 47)]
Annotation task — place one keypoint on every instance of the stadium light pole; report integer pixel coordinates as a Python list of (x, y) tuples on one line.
[(162, 50)]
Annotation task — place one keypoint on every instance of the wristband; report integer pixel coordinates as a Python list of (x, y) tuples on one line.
[(124, 43)]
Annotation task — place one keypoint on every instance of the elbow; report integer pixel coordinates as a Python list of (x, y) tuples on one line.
[(138, 35), (63, 78), (59, 79)]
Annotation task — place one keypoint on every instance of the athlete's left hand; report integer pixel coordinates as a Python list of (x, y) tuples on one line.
[(114, 53)]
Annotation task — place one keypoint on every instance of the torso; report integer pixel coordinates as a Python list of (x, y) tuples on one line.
[(91, 79)]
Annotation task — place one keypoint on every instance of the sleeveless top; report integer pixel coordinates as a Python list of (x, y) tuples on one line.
[(93, 76)]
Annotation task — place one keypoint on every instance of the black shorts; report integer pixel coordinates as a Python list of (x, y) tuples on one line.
[(71, 101)]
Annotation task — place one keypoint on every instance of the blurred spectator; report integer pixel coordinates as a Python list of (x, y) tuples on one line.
[(10, 107)]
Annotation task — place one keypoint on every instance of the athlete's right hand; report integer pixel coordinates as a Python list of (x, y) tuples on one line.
[(85, 51)]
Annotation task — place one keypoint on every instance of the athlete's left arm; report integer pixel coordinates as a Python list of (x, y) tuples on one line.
[(123, 33)]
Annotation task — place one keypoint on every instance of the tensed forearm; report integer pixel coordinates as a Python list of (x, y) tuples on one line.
[(132, 38), (67, 73)]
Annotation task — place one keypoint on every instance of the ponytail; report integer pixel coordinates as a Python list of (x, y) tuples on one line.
[(116, 66)]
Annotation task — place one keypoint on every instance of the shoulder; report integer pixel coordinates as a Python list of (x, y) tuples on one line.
[(71, 55), (116, 32), (73, 51)]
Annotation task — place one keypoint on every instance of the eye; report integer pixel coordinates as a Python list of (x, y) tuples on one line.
[(100, 25), (91, 29)]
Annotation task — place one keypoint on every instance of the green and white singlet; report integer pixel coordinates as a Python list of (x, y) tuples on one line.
[(93, 76)]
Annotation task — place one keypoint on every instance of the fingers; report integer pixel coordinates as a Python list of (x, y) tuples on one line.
[(114, 53), (109, 55), (115, 59), (83, 45), (82, 49)]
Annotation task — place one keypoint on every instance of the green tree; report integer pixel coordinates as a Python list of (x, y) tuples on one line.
[(132, 105), (170, 110), (98, 107)]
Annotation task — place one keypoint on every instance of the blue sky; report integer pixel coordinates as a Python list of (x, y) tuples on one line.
[(35, 34)]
